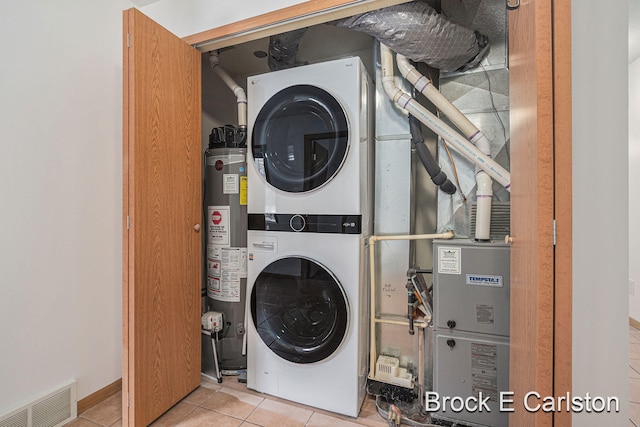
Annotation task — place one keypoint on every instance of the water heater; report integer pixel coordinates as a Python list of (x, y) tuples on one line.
[(225, 211)]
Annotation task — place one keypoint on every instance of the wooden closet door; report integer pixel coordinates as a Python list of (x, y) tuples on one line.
[(162, 206), (532, 208)]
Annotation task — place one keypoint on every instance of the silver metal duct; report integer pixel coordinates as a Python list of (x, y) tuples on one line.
[(482, 94)]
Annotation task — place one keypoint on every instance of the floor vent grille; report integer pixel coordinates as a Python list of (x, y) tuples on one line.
[(53, 410)]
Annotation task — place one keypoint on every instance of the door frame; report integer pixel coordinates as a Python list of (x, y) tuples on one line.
[(558, 18), (552, 19)]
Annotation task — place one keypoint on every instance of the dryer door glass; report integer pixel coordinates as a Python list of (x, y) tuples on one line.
[(300, 138), (299, 310)]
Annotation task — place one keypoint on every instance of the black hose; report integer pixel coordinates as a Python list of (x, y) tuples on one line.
[(432, 167)]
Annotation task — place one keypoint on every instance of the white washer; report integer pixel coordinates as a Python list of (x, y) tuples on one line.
[(307, 326), (309, 131)]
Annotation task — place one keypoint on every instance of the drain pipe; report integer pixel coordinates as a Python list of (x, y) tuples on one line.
[(235, 88), (484, 190), (453, 138)]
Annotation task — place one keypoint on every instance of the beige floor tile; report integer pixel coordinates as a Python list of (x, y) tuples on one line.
[(81, 422), (634, 390), (634, 412), (117, 423), (371, 418), (634, 351), (322, 420), (232, 382), (201, 417), (633, 339), (277, 414), (248, 424), (212, 384), (199, 395), (175, 414), (235, 403), (106, 412), (633, 373)]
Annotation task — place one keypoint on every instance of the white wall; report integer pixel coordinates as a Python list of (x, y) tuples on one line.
[(60, 186), (187, 17), (600, 208), (634, 194), (61, 183)]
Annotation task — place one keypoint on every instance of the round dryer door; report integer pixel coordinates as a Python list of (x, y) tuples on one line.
[(299, 310), (300, 138)]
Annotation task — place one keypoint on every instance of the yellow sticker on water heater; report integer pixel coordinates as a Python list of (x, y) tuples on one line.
[(243, 190)]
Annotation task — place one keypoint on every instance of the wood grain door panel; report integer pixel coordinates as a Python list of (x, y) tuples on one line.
[(162, 186), (532, 207)]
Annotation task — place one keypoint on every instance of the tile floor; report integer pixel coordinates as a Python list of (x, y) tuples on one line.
[(634, 376), (231, 404)]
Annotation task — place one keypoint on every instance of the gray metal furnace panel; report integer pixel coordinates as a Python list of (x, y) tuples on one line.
[(468, 365), (471, 286)]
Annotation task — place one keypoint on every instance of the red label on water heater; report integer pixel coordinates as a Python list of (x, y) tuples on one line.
[(216, 217)]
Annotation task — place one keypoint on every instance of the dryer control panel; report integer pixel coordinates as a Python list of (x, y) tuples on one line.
[(335, 224)]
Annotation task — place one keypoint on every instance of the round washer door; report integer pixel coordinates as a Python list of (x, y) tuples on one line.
[(300, 138), (299, 310)]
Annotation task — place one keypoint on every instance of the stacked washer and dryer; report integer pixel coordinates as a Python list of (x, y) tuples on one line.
[(309, 204)]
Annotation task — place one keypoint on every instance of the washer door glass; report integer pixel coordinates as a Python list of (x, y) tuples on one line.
[(300, 138), (299, 310)]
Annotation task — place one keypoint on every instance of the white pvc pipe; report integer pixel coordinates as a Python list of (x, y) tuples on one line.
[(453, 138), (426, 87), (235, 88), (484, 198), (475, 136), (372, 286)]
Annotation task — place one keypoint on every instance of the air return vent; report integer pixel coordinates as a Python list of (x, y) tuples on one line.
[(52, 410), (500, 220)]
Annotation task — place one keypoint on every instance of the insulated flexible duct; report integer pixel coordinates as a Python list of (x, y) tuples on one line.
[(419, 32), (413, 29), (283, 49)]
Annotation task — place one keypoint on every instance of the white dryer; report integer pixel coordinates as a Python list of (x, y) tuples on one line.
[(307, 306), (309, 131)]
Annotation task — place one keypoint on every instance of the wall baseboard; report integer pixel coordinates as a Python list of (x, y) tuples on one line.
[(100, 395), (633, 322)]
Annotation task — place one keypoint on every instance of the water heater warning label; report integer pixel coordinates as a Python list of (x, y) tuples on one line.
[(230, 183), (218, 225), (225, 268), (243, 191)]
